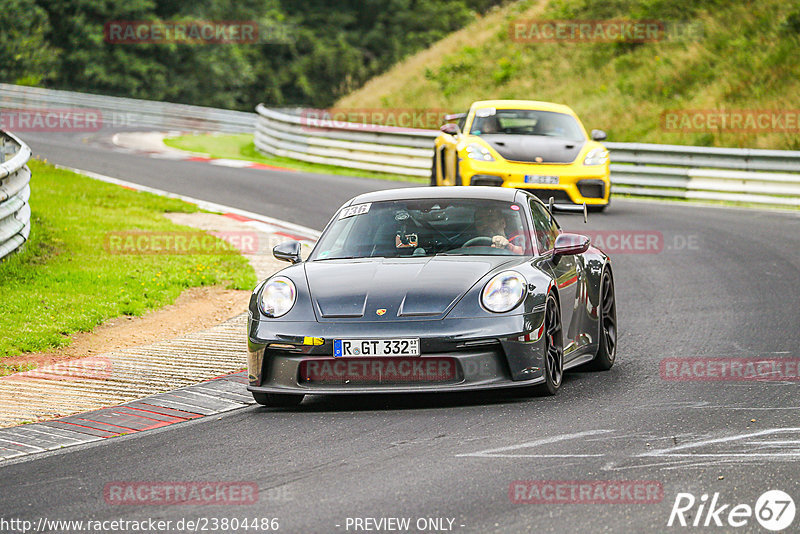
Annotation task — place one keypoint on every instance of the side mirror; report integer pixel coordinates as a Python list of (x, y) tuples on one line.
[(599, 135), (569, 244), (288, 251), (450, 128)]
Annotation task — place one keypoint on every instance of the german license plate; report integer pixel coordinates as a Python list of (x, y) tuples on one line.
[(536, 179), (375, 347)]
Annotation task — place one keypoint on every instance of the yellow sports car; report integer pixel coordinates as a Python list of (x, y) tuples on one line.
[(537, 146)]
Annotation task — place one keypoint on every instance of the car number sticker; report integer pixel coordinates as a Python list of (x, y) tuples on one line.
[(375, 347), (358, 209), (536, 179)]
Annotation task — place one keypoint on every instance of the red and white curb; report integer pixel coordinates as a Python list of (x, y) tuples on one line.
[(212, 397), (152, 144)]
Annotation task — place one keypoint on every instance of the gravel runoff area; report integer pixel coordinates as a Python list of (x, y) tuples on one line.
[(109, 379)]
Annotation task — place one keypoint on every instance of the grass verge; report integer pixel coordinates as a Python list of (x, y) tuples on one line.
[(240, 146), (66, 279), (716, 56)]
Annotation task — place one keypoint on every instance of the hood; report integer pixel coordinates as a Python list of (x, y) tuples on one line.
[(526, 148), (407, 288)]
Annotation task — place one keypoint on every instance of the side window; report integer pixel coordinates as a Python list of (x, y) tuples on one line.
[(546, 230)]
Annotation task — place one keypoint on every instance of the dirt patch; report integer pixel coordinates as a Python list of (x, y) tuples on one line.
[(195, 309)]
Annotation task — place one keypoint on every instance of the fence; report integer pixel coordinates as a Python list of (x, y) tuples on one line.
[(770, 177), (15, 191), (129, 112), (740, 175)]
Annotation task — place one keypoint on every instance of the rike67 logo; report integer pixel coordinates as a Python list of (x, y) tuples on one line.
[(774, 510)]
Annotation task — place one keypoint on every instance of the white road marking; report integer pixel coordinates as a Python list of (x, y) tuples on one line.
[(535, 455), (776, 442), (236, 163), (674, 451), (749, 408), (497, 453)]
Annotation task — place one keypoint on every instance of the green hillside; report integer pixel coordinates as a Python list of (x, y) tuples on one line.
[(717, 55)]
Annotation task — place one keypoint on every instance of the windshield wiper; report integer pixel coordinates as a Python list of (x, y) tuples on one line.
[(350, 258)]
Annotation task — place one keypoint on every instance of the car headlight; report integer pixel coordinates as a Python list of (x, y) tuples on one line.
[(597, 156), (479, 152), (504, 292), (277, 297)]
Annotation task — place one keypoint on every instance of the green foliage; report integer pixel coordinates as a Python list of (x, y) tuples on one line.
[(716, 55), (327, 49), (25, 56)]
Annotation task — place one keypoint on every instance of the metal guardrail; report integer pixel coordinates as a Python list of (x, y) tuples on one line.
[(355, 146), (704, 173), (707, 173), (741, 175), (128, 112), (15, 191)]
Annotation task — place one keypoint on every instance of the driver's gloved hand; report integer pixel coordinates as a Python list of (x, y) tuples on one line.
[(499, 241)]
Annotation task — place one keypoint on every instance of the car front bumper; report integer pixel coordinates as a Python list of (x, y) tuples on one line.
[(482, 354), (577, 183)]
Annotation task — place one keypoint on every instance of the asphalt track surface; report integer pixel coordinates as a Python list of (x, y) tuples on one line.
[(724, 284)]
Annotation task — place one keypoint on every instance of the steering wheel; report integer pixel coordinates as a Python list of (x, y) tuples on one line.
[(480, 241)]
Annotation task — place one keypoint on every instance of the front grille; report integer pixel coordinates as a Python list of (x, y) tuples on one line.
[(592, 188), (486, 179), (378, 371), (559, 196)]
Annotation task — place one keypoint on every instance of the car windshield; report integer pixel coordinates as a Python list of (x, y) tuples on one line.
[(525, 122), (406, 228)]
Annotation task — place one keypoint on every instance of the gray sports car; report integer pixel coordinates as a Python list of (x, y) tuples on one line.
[(432, 289)]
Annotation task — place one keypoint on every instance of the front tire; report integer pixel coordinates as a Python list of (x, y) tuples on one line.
[(433, 182), (277, 400), (607, 319), (554, 349)]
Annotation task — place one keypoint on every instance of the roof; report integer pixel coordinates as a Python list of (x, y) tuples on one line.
[(523, 104), (481, 192)]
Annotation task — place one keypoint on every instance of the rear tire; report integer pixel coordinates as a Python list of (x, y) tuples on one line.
[(607, 319), (277, 400), (433, 173)]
